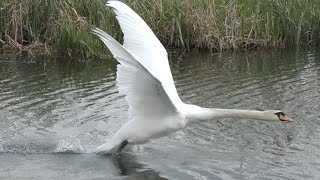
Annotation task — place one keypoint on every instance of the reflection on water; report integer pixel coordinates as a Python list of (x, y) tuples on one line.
[(54, 112)]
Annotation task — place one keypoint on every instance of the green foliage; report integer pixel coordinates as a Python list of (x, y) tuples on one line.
[(64, 27)]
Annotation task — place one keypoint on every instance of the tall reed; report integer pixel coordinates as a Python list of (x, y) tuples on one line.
[(64, 27)]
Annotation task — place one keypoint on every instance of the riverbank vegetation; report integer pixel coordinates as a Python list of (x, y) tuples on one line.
[(64, 27)]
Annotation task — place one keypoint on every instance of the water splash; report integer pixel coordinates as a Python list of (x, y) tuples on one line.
[(69, 146)]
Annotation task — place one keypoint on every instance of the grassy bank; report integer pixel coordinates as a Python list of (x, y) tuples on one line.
[(63, 27)]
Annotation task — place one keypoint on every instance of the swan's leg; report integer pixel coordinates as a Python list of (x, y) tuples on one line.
[(122, 145)]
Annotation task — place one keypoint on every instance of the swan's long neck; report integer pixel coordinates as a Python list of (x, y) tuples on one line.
[(197, 113)]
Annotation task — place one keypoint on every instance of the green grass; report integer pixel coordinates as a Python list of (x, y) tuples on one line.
[(64, 27)]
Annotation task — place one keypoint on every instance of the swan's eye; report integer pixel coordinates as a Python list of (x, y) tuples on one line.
[(280, 114)]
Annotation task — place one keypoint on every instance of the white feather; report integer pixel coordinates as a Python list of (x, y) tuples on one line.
[(145, 46), (144, 93)]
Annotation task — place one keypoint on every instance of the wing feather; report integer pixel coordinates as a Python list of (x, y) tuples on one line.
[(144, 92), (140, 41)]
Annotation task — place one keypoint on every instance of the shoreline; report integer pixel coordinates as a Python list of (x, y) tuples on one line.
[(64, 28)]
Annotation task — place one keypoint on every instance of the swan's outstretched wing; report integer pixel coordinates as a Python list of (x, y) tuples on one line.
[(144, 92), (140, 41)]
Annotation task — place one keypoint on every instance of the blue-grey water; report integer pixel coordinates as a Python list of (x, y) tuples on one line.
[(53, 112)]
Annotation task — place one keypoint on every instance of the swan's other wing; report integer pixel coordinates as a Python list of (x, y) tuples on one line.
[(140, 41), (144, 92)]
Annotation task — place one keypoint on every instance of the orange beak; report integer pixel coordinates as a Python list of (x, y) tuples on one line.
[(285, 118)]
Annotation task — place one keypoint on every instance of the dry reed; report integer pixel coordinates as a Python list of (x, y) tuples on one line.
[(63, 27)]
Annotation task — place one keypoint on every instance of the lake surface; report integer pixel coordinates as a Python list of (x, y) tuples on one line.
[(54, 112)]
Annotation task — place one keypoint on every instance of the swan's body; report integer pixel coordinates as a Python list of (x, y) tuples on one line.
[(144, 76)]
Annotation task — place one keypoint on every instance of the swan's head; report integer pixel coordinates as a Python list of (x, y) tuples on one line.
[(278, 115)]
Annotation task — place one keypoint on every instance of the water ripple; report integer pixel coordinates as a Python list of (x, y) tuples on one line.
[(74, 107)]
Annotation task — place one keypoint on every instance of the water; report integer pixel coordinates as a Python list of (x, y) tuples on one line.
[(54, 112)]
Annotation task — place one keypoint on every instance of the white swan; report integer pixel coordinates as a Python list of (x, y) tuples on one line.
[(144, 76)]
